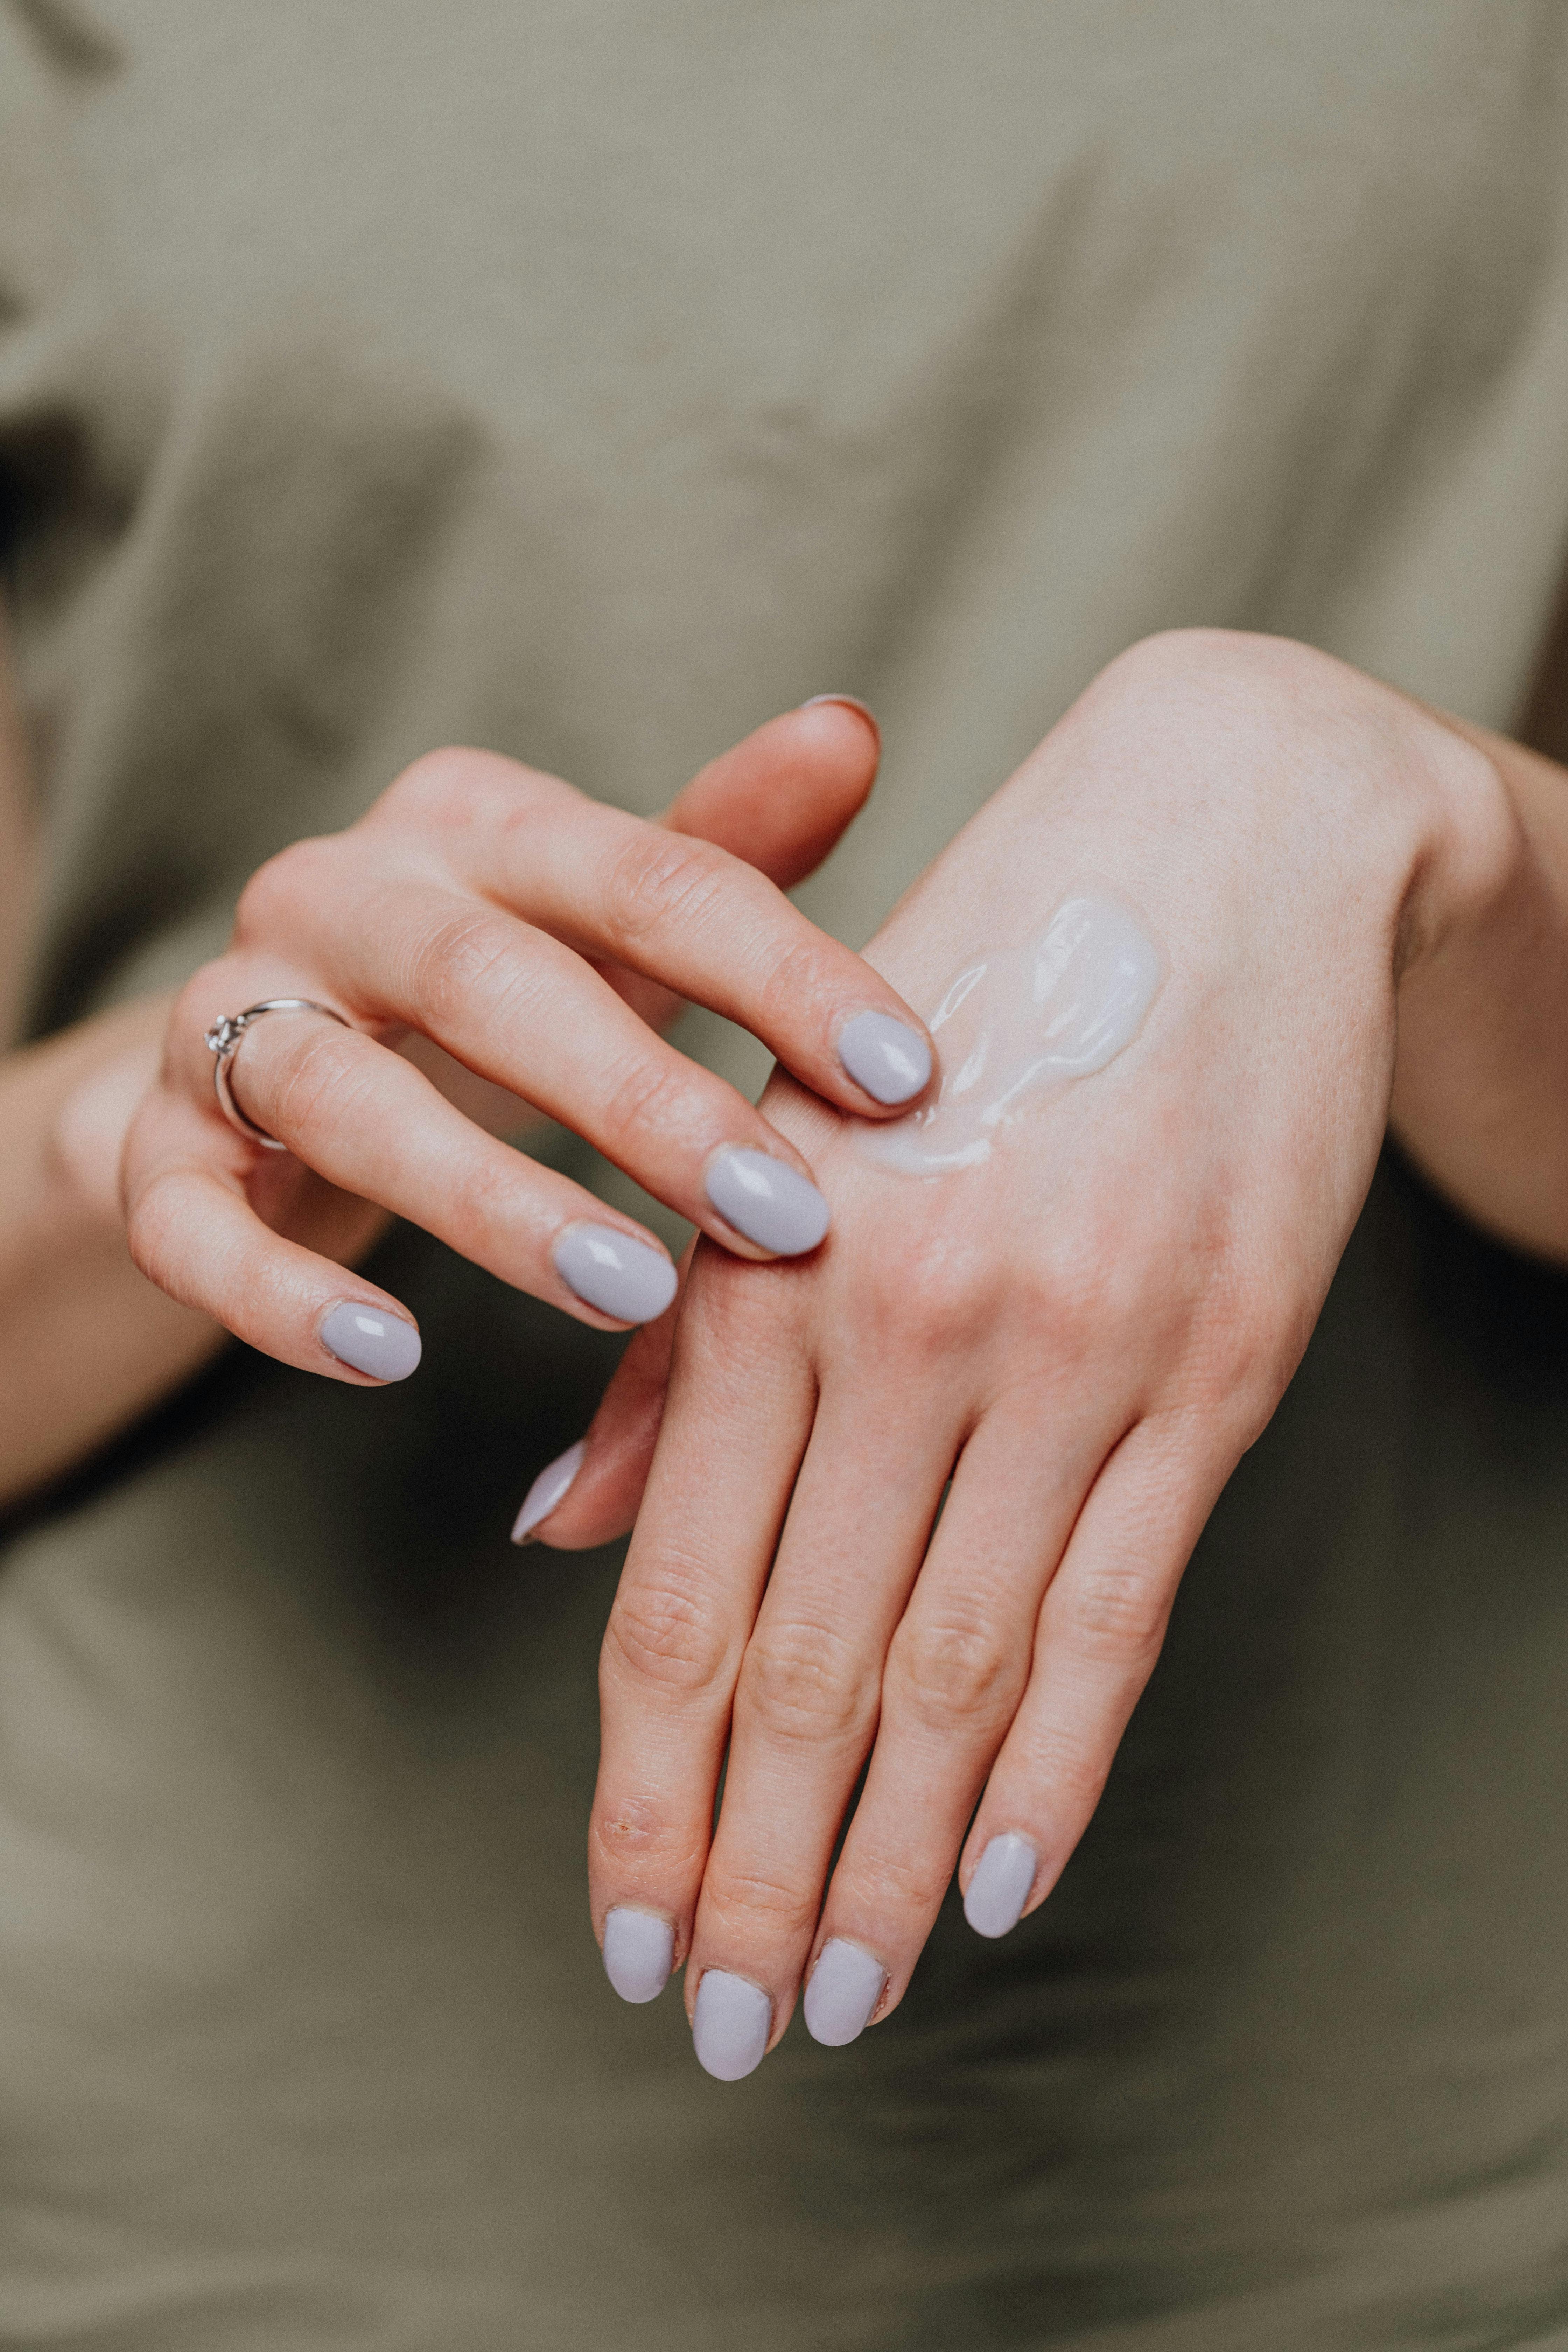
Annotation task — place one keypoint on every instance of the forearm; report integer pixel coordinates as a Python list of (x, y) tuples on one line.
[(86, 1342), (1480, 1093)]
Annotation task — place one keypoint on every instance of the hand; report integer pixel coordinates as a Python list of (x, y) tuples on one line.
[(530, 935), (1082, 1334)]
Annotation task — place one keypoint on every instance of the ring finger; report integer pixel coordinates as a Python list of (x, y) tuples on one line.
[(369, 1122), (956, 1670)]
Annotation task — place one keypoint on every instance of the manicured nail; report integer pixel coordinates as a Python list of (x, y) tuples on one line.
[(1000, 1886), (385, 1345), (846, 1986), (619, 1276), (850, 702), (729, 2026), (548, 1489), (639, 1951), (767, 1202), (889, 1058)]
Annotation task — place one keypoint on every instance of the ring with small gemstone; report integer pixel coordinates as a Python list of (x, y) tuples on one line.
[(223, 1041)]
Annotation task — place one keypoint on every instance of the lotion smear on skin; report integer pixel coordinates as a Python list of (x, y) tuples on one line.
[(1023, 1023)]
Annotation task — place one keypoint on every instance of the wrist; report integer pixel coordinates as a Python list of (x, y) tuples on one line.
[(1472, 851), (1340, 784), (1237, 788)]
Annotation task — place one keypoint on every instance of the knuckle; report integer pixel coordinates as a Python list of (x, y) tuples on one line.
[(731, 1896), (800, 969), (663, 881), (1115, 1613), (465, 960), (652, 1094), (922, 1291), (629, 1831), (320, 1085), (444, 787), (1241, 1365), (952, 1672), (802, 1681), (663, 1633), (1070, 1770), (1088, 1293), (281, 890), (879, 1881)]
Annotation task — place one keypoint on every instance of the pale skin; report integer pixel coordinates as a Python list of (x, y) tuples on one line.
[(514, 948), (1366, 909)]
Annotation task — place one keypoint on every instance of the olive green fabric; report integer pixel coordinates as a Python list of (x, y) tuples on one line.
[(590, 380)]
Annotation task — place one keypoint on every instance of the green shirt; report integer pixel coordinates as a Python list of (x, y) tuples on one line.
[(591, 380)]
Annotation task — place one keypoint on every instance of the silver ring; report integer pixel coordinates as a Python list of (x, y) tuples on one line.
[(223, 1040)]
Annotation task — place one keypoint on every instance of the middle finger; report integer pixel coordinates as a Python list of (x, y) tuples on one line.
[(956, 1669), (525, 1011), (806, 1710)]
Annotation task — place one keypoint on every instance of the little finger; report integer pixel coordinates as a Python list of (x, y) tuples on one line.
[(193, 1231), (1100, 1630)]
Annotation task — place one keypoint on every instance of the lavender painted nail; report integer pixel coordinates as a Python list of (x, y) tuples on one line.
[(891, 1061), (639, 1950), (548, 1489), (729, 2026), (382, 1345), (767, 1202), (846, 1986), (1000, 1886), (852, 701), (609, 1270)]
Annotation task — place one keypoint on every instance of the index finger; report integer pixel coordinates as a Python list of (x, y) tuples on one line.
[(705, 923)]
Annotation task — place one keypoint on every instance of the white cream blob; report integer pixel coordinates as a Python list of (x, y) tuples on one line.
[(1022, 1023)]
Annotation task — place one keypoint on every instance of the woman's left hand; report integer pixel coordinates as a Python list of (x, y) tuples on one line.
[(1083, 1334)]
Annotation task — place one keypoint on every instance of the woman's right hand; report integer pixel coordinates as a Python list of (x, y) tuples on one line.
[(533, 935)]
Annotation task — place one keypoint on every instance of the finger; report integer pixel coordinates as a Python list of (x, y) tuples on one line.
[(808, 1695), (525, 1012), (716, 1498), (781, 798), (592, 1494), (956, 1669), (369, 1122), (704, 923), (193, 1231), (1099, 1633)]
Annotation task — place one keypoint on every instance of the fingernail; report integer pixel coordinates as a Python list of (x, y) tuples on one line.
[(548, 1489), (1000, 1886), (385, 1345), (729, 2026), (889, 1058), (850, 702), (610, 1271), (844, 1988), (767, 1202), (639, 1951)]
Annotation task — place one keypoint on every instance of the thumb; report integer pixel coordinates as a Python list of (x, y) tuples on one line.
[(780, 798), (604, 1489), (784, 796)]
